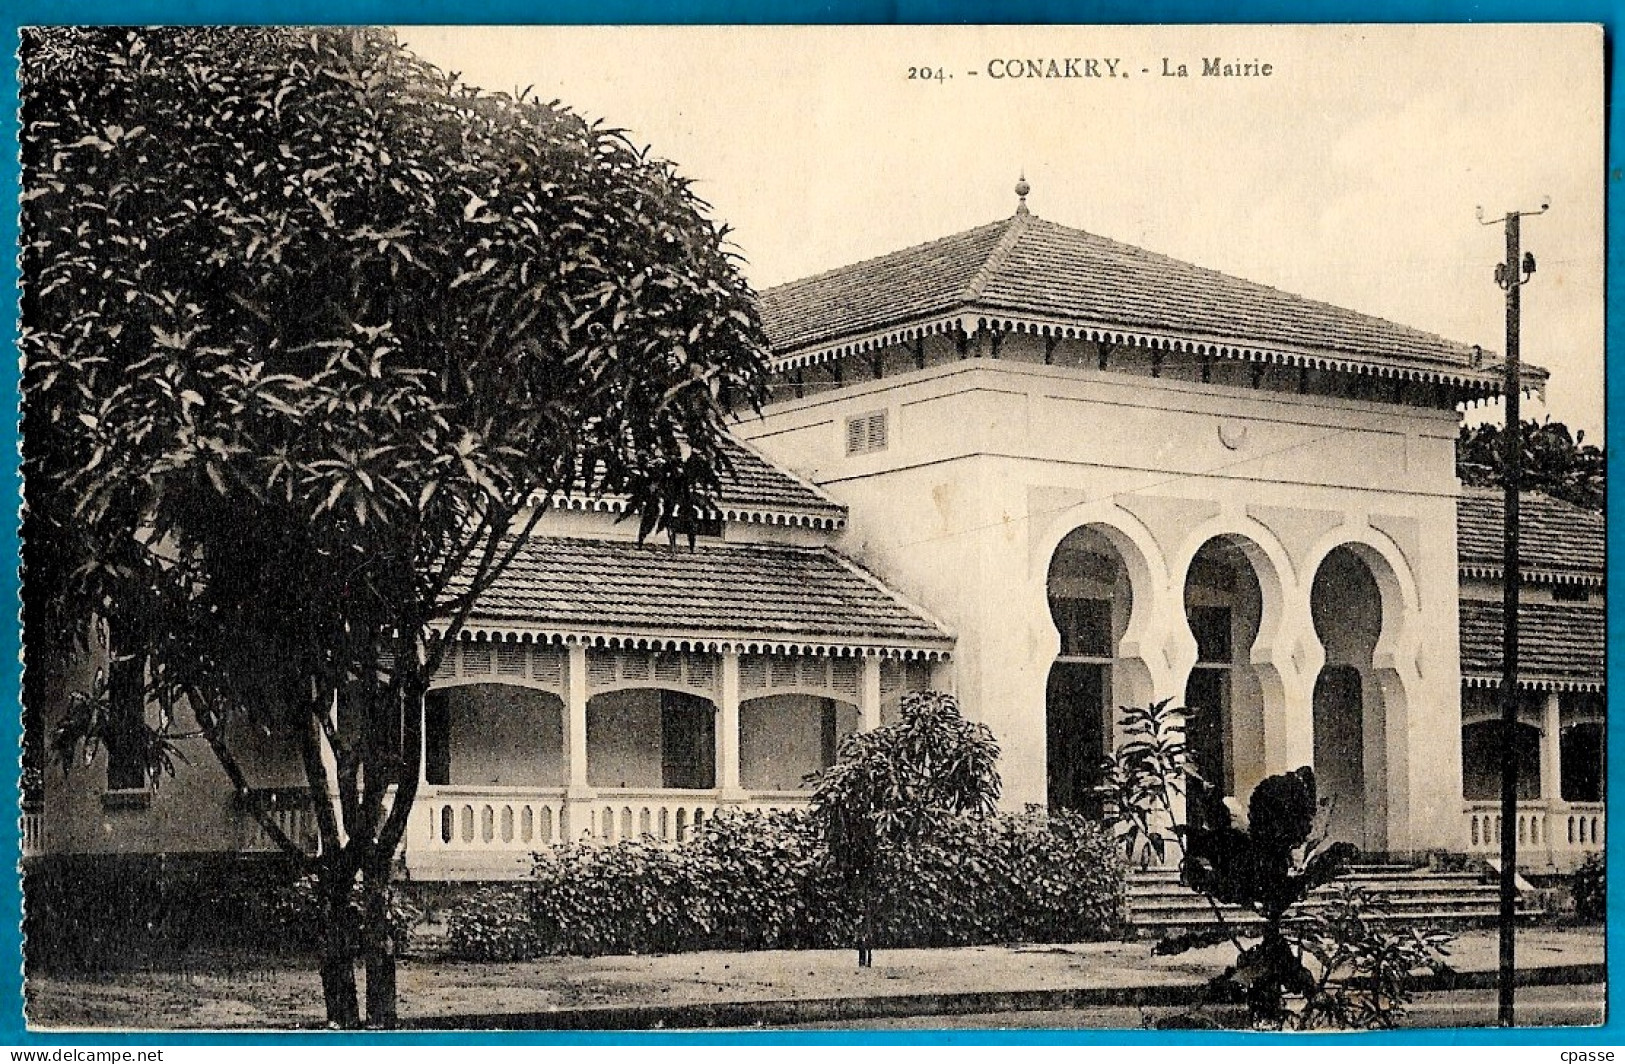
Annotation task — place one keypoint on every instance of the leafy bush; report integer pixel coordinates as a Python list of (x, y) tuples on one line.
[(1145, 777), (1027, 877), (1591, 887), (1268, 863), (1362, 964), (106, 913), (761, 880), (891, 787), (493, 924), (1330, 963)]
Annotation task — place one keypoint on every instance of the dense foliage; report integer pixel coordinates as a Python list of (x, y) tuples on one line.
[(761, 880), (893, 784), (1590, 885), (104, 913), (1556, 462), (308, 328), (1361, 961)]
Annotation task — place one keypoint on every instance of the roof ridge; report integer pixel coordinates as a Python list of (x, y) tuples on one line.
[(1016, 226), (661, 543), (1136, 249)]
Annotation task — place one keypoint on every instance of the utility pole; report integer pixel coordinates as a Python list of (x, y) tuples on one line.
[(1511, 275)]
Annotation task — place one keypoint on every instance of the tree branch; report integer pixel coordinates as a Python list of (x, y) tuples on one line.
[(239, 781)]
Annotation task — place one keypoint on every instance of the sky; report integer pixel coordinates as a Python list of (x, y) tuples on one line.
[(1352, 173)]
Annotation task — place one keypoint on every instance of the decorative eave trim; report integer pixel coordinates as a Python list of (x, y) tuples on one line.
[(1537, 682), (476, 631), (1537, 576), (1484, 382), (784, 518)]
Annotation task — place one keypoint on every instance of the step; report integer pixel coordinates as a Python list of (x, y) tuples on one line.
[(1159, 903), (1434, 917)]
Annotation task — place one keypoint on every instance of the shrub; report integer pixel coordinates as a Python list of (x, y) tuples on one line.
[(1591, 887), (1029, 877), (1362, 963), (761, 880), (493, 924), (1145, 778), (108, 912), (893, 786), (1268, 864)]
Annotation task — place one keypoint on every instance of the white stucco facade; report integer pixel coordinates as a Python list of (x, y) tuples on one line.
[(988, 464)]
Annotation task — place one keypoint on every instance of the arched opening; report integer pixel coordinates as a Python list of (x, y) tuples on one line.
[(1224, 699), (1581, 754), (651, 739), (1481, 760), (1350, 767), (1090, 601), (1582, 747), (492, 734), (784, 739)]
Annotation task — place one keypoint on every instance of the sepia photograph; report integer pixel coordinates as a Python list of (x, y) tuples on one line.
[(812, 528)]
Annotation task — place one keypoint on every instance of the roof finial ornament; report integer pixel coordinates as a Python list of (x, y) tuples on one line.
[(1022, 188)]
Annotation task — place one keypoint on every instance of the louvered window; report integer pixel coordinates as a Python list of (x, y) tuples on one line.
[(866, 433)]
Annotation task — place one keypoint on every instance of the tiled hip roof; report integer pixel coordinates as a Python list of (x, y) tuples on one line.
[(1558, 643), (753, 489), (1556, 539), (1036, 270), (763, 595)]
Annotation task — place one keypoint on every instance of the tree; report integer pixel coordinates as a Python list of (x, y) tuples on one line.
[(1556, 462), (893, 783), (312, 335)]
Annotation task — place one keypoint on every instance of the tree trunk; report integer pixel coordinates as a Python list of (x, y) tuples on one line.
[(378, 949), (866, 927), (338, 951)]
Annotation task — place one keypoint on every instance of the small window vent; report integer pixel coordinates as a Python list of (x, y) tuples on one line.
[(866, 433)]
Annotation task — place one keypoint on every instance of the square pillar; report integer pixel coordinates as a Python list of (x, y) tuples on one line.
[(869, 694), (728, 729), (423, 743), (1551, 756), (1551, 776), (577, 795)]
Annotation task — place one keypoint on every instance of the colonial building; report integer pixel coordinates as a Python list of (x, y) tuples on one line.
[(1562, 672), (1118, 478), (1054, 474), (604, 688)]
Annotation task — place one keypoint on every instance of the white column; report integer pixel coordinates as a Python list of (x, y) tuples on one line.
[(1551, 774), (1551, 760), (577, 795), (869, 694), (728, 728), (575, 718), (423, 743)]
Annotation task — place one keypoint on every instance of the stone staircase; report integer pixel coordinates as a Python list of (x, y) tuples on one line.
[(1160, 904)]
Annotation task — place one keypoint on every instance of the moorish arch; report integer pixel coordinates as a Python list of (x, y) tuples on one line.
[(1362, 601), (1098, 593), (1232, 690)]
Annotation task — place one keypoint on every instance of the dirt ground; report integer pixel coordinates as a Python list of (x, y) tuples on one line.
[(220, 992)]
